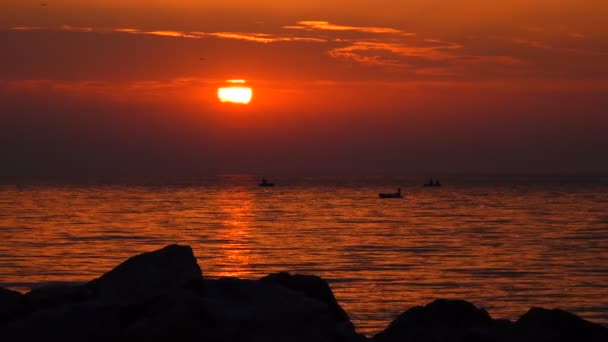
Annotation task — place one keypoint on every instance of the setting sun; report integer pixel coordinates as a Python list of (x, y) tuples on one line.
[(235, 94)]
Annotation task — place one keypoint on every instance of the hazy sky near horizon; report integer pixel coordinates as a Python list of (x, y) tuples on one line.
[(112, 87)]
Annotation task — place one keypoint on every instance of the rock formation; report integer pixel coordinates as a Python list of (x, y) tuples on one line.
[(163, 295)]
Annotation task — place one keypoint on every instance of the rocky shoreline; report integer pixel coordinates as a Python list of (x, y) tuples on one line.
[(163, 295)]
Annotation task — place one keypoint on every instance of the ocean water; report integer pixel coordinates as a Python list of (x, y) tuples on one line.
[(506, 245)]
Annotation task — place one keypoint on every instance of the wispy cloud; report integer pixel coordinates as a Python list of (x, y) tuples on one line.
[(310, 25), (263, 37), (125, 30), (75, 29), (174, 34), (27, 28), (162, 33), (391, 54), (246, 36), (68, 28), (386, 47), (397, 49), (437, 58)]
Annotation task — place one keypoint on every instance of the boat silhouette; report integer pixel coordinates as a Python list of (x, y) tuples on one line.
[(431, 183), (391, 195), (265, 183)]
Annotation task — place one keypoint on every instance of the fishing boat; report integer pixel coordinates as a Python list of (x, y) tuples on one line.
[(391, 195), (431, 183)]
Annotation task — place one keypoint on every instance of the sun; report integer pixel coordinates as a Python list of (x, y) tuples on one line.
[(237, 92)]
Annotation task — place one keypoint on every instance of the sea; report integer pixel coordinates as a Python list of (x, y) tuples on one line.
[(505, 243)]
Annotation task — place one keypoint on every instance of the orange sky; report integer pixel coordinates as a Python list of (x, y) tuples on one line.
[(338, 86)]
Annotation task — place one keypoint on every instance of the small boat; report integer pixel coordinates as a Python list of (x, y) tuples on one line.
[(265, 183), (431, 183), (393, 195)]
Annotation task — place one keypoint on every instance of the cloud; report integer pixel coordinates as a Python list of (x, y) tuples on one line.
[(67, 28), (432, 57), (27, 28), (76, 29), (126, 30), (263, 38), (246, 36), (400, 50), (162, 33), (310, 25), (70, 28), (509, 54), (392, 54)]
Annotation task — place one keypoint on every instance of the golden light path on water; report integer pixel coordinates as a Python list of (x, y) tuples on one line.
[(505, 248)]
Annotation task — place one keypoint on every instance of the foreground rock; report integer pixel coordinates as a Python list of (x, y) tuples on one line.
[(163, 295), (11, 303), (310, 286), (262, 310), (460, 321), (148, 275), (542, 325), (444, 320)]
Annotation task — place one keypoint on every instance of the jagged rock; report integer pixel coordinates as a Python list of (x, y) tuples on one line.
[(264, 301), (11, 303), (311, 286), (441, 321), (267, 311), (148, 275), (163, 295), (542, 325)]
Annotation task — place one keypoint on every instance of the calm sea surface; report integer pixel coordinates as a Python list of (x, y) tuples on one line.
[(505, 245)]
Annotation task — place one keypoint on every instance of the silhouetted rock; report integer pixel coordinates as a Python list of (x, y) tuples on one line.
[(148, 275), (442, 320), (542, 325), (163, 295), (71, 322), (311, 286), (264, 310), (11, 303), (181, 313), (56, 294)]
